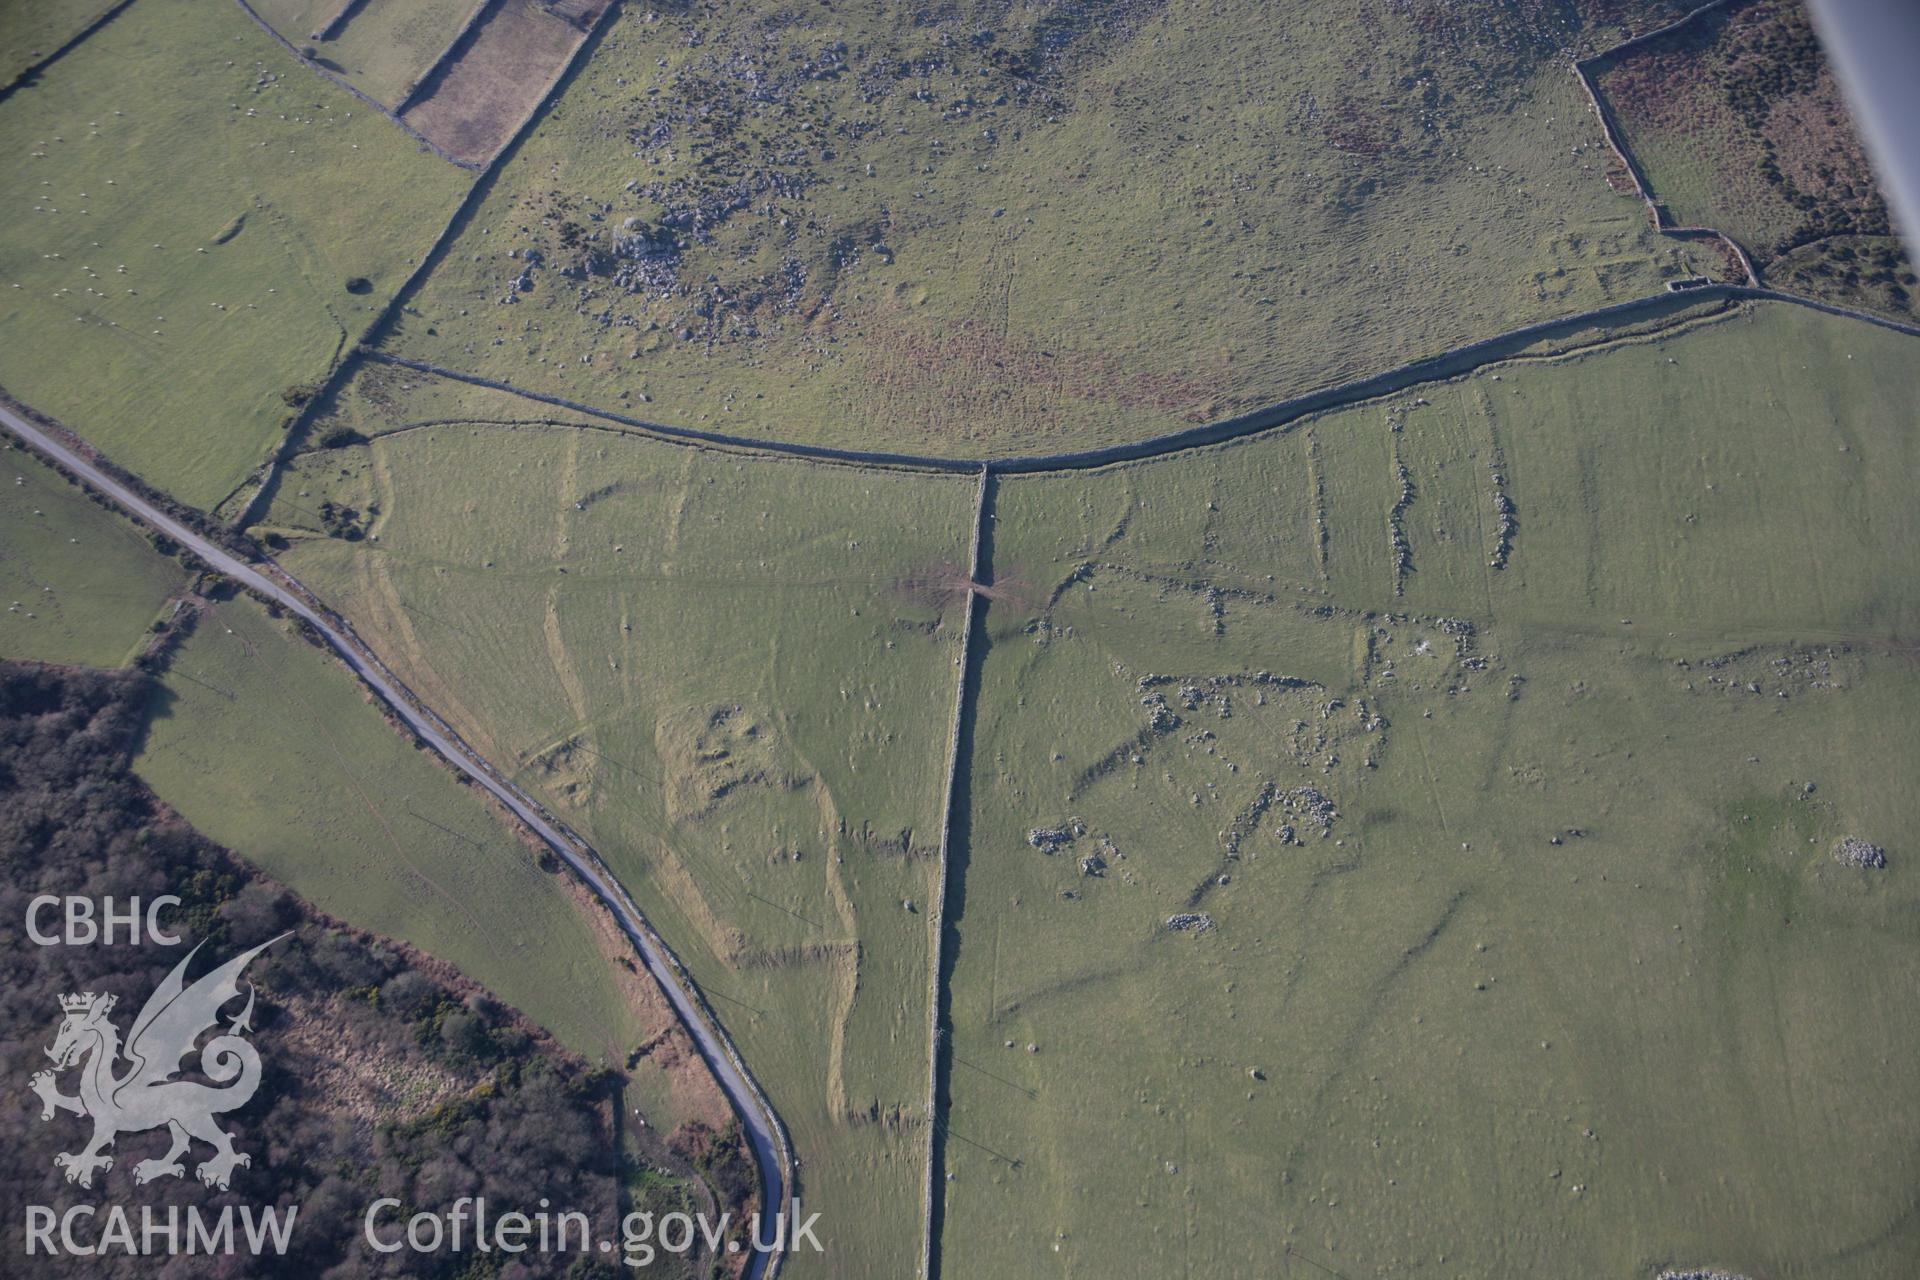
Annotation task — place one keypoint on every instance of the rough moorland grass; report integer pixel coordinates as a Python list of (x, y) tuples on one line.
[(77, 583), (384, 47), (735, 678), (1708, 110), (1571, 984), (972, 231), (1737, 123), (265, 744), (1873, 272), (187, 208)]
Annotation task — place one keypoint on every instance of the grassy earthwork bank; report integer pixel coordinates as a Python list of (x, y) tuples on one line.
[(1335, 895), (734, 676)]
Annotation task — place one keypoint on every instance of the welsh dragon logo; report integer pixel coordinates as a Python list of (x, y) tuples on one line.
[(145, 1095)]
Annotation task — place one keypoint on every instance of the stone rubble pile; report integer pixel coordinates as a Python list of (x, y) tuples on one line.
[(1852, 851)]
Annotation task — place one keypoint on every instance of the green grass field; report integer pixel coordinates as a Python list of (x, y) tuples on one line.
[(1567, 982), (383, 48), (266, 744), (735, 677), (1399, 844), (297, 20), (32, 29), (188, 208), (77, 583), (972, 232)]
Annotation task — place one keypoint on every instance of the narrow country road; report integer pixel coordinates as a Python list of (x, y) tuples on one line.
[(761, 1124), (756, 1115)]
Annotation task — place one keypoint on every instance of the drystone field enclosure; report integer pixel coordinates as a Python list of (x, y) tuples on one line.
[(195, 230), (1457, 821), (1737, 123), (1304, 773), (383, 50), (981, 230), (499, 73), (1332, 890), (255, 736), (736, 677)]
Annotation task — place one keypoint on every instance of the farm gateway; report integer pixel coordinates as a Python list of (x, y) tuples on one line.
[(83, 1231)]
